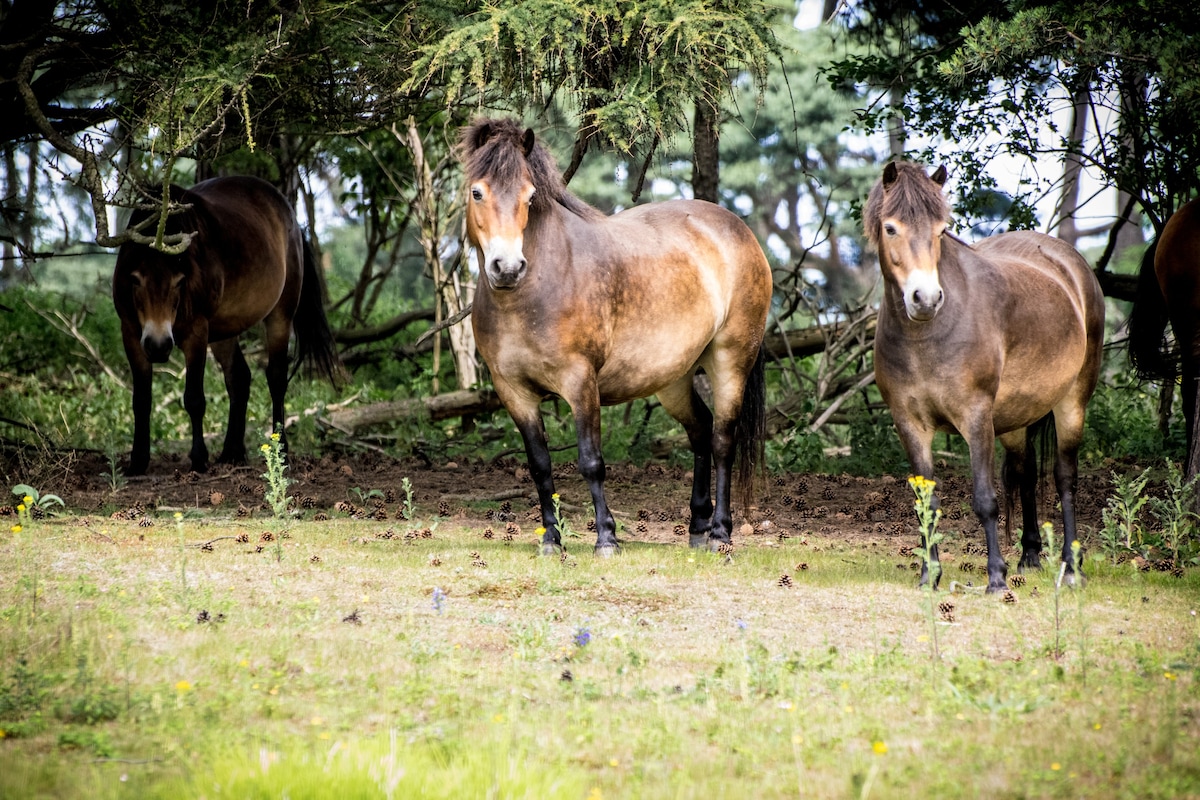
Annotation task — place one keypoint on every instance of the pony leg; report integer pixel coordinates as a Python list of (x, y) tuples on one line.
[(591, 466), (237, 385), (537, 453), (1068, 424), (142, 373), (981, 437), (917, 441), (278, 331), (681, 401), (1021, 473), (195, 348)]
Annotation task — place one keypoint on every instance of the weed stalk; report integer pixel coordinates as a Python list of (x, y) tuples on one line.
[(927, 518)]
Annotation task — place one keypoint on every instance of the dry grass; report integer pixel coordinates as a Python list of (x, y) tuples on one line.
[(336, 675)]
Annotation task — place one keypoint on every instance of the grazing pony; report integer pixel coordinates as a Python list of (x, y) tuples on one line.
[(247, 263), (1169, 291), (602, 310), (983, 341)]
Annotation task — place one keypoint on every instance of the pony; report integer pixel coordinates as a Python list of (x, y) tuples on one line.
[(984, 341), (247, 263), (1168, 291), (602, 310)]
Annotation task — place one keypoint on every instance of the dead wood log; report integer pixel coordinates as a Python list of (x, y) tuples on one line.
[(807, 341), (439, 407)]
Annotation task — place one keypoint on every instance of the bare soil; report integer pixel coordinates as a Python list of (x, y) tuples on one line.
[(651, 502)]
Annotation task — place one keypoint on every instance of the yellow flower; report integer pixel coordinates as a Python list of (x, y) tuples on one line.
[(20, 508), (178, 515), (183, 686), (1170, 676), (554, 496), (594, 794), (274, 437), (317, 721), (541, 531), (266, 448), (612, 762), (1056, 766), (16, 528), (27, 499), (879, 746)]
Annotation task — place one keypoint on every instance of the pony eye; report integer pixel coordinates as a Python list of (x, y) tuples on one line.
[(890, 230), (477, 195)]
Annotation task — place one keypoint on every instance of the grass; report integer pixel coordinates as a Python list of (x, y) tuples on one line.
[(337, 676)]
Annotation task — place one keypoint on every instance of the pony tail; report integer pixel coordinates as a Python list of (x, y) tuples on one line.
[(751, 432), (1150, 352), (315, 346)]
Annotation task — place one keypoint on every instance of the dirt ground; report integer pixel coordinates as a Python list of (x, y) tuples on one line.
[(650, 502)]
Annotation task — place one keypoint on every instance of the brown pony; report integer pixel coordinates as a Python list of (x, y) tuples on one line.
[(1169, 291), (983, 341), (603, 310), (247, 263)]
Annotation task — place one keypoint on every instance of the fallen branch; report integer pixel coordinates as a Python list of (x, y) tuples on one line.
[(439, 407)]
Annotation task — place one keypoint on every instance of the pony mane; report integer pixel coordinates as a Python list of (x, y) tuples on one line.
[(911, 197), (496, 149), (188, 220)]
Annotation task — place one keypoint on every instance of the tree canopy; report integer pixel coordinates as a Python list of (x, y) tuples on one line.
[(996, 78)]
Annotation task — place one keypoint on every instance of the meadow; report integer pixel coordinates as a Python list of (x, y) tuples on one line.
[(203, 655)]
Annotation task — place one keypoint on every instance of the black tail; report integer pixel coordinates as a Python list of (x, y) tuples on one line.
[(751, 431), (315, 347), (1152, 353), (1041, 442)]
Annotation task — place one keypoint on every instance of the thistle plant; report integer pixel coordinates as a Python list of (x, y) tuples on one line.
[(1174, 514), (927, 520), (410, 509), (1122, 530)]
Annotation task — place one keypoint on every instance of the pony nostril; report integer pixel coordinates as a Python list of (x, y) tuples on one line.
[(940, 297)]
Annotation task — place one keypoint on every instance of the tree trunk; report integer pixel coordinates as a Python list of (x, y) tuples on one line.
[(705, 153), (1068, 199), (446, 283)]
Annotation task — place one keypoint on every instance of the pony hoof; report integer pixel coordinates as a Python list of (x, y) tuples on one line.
[(1033, 564), (607, 550), (994, 588), (550, 549), (1075, 580), (698, 540)]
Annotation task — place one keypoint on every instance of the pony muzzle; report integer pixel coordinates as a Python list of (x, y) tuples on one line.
[(157, 341), (923, 297), (505, 266)]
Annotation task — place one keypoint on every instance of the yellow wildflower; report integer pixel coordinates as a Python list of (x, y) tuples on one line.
[(183, 686), (879, 746)]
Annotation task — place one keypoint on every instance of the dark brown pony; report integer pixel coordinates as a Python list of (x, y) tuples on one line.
[(248, 263), (983, 341), (602, 310), (1169, 291)]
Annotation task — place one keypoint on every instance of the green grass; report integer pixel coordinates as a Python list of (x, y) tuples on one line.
[(701, 679)]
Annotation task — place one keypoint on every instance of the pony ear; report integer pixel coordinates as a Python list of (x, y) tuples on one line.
[(890, 174), (527, 142), (477, 136), (939, 175)]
